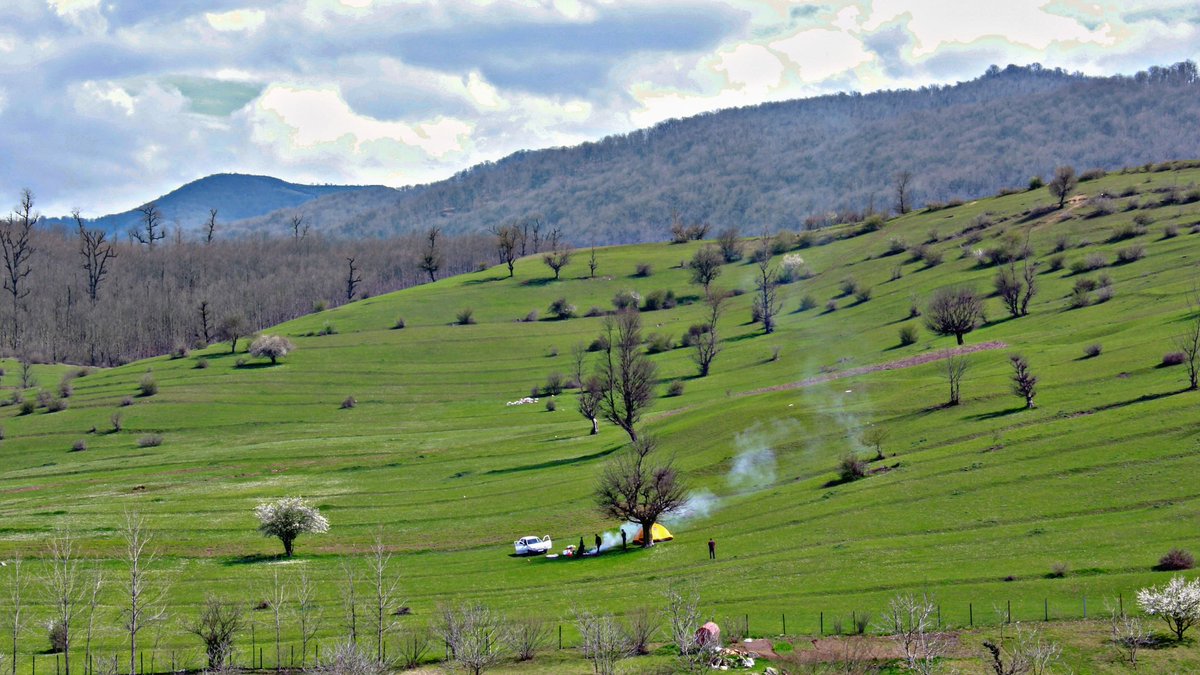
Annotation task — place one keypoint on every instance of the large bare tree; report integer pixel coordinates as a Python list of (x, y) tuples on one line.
[(955, 368), (432, 259), (638, 487), (353, 279), (64, 589), (17, 247), (626, 375), (17, 586), (902, 184), (384, 587), (954, 311), (706, 342), (767, 304), (96, 251), (145, 599), (151, 231), (1063, 184), (559, 254), (706, 266), (1189, 342), (508, 238), (591, 393)]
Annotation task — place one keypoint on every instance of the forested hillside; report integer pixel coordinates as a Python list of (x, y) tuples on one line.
[(776, 164)]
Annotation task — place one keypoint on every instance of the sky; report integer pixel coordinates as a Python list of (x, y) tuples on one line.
[(105, 104)]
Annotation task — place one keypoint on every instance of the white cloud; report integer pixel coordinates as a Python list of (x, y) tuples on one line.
[(823, 53), (236, 20)]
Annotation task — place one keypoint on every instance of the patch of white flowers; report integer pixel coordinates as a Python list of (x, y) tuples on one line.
[(1177, 603)]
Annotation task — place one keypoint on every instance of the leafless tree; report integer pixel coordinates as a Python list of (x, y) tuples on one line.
[(526, 636), (350, 601), (730, 243), (766, 299), (1009, 288), (205, 323), (637, 487), (642, 626), (1127, 634), (1029, 274), (902, 184), (954, 311), (604, 641), (579, 354), (210, 227), (508, 237), (151, 231), (353, 279), (94, 586), (299, 228), (875, 436), (1063, 184), (17, 585), (707, 341), (1022, 653), (591, 394), (96, 251), (17, 248), (912, 622), (474, 634), (145, 600), (592, 264), (383, 602), (278, 603), (683, 614), (626, 375), (27, 378), (706, 266), (63, 588), (1024, 382), (1189, 342), (232, 328), (219, 621), (955, 369), (559, 254), (308, 613), (432, 259)]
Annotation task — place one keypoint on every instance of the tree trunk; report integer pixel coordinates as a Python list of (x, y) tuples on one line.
[(648, 534), (287, 546), (595, 426), (960, 338)]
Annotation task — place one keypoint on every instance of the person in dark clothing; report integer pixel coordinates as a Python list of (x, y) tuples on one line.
[(712, 549), (622, 539), (581, 548), (597, 544)]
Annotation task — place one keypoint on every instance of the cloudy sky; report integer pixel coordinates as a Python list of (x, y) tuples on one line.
[(105, 104)]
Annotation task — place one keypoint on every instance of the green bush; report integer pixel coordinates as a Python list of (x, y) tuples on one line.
[(908, 334)]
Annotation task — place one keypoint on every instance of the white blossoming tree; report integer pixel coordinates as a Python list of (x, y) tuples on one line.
[(272, 347), (1177, 603), (289, 518)]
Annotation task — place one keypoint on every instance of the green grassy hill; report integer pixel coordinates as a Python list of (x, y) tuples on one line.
[(1098, 476)]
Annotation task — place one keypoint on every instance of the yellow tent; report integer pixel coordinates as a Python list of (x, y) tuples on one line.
[(659, 533)]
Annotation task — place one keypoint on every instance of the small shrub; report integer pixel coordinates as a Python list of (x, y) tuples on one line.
[(201, 364), (1093, 350), (147, 386), (1140, 221), (675, 388), (349, 402), (1090, 263), (79, 446), (319, 306), (862, 295), (28, 406), (1130, 254), (598, 345), (908, 335), (551, 406), (1080, 297), (1104, 294), (849, 286), (643, 270), (562, 309), (554, 384), (851, 467), (553, 351), (660, 300), (775, 352), (531, 316), (1173, 359), (1176, 560), (465, 316), (327, 329), (56, 405), (1036, 183), (807, 303), (1062, 243), (895, 247), (1170, 231), (240, 363), (1055, 262), (595, 311), (626, 300), (831, 306), (118, 422), (179, 352), (1058, 570), (399, 325), (127, 401), (658, 343), (897, 273), (150, 441), (44, 398), (931, 257), (65, 389)]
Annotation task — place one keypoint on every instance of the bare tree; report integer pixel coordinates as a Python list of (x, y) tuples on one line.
[(151, 231), (508, 237), (1024, 382), (299, 228), (591, 393), (350, 601), (875, 436), (353, 279), (210, 227), (683, 613), (218, 622), (766, 300), (730, 243), (902, 184), (278, 603), (17, 248), (432, 260), (706, 266), (1127, 634), (954, 311), (559, 254), (206, 327), (1189, 343), (626, 375), (1029, 274), (232, 328), (707, 342), (911, 623), (579, 354), (95, 585), (96, 251), (526, 636), (955, 369), (145, 601), (1009, 288), (308, 612), (474, 635), (604, 641), (383, 601), (17, 584), (62, 585), (1063, 184), (592, 264), (636, 488)]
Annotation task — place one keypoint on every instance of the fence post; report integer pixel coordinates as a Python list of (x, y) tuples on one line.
[(784, 616), (1046, 608), (1009, 611), (939, 617), (560, 637), (1121, 603), (854, 620), (142, 663), (260, 664), (33, 663), (822, 632), (747, 625), (1085, 606), (971, 614), (57, 664)]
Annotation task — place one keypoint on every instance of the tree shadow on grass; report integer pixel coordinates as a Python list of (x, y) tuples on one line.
[(476, 282), (257, 364), (544, 281), (996, 414), (251, 559)]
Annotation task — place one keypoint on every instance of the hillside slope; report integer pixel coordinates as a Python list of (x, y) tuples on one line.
[(972, 503), (775, 164), (235, 196)]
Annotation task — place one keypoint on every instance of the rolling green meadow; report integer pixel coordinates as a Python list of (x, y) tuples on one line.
[(973, 504)]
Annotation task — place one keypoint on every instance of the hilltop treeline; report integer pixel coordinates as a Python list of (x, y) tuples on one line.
[(774, 165), (181, 291)]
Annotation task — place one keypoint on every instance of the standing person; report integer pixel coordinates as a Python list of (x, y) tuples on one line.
[(598, 544), (581, 548), (622, 538), (712, 549)]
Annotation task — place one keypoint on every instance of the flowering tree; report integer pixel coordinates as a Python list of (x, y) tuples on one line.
[(289, 518), (1177, 603), (273, 347)]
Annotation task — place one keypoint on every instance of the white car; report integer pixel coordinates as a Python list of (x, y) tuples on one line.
[(533, 545)]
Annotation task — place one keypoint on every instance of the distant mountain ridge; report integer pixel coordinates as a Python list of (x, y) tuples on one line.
[(235, 196)]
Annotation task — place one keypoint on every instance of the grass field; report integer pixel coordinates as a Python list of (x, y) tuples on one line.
[(983, 498)]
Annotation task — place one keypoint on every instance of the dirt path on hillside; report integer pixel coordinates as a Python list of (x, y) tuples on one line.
[(899, 364)]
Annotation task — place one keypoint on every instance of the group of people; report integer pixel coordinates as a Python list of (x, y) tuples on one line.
[(572, 551)]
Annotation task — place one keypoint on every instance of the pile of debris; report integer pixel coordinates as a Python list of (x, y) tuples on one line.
[(523, 401), (731, 657)]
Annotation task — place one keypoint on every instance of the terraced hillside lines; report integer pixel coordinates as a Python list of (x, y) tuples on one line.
[(433, 460)]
